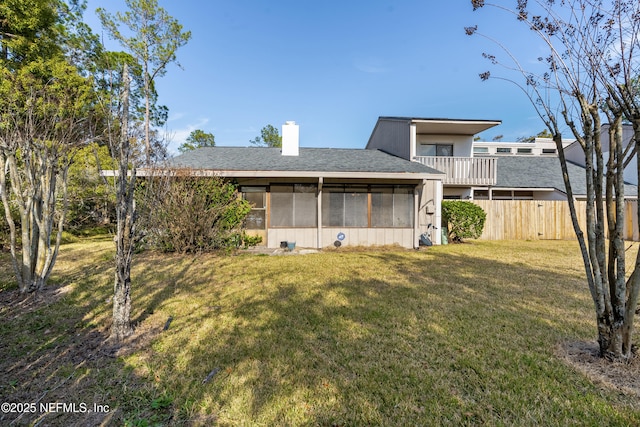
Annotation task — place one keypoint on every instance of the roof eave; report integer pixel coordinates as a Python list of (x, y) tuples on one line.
[(302, 174)]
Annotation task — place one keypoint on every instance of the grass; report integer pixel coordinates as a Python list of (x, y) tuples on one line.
[(454, 335)]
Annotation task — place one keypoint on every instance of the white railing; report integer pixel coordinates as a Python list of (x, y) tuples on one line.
[(463, 170)]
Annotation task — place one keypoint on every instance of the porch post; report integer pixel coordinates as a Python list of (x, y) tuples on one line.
[(319, 223), (437, 220), (412, 141), (417, 212)]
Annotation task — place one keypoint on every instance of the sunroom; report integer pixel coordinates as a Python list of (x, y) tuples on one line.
[(327, 197)]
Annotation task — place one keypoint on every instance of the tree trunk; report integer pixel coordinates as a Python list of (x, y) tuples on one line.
[(121, 326), (125, 211)]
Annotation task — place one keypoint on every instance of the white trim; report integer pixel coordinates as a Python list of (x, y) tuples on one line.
[(289, 174)]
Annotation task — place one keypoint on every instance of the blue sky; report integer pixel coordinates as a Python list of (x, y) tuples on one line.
[(333, 67)]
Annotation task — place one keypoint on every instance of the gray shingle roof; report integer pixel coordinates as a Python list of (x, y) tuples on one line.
[(309, 160), (542, 172)]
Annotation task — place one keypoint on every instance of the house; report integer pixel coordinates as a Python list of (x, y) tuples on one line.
[(442, 144), (488, 170), (574, 153), (319, 197), (391, 191), (531, 170)]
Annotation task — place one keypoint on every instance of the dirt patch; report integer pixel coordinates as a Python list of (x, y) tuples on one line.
[(583, 356)]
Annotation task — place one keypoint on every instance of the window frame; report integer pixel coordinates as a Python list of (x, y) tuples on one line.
[(256, 189), (369, 190), (294, 217), (437, 149)]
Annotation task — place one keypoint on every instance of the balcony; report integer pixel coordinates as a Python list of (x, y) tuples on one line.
[(463, 170)]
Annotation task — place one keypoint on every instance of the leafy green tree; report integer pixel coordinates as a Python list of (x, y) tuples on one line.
[(269, 137), (28, 30), (152, 37), (196, 139), (45, 103), (43, 110)]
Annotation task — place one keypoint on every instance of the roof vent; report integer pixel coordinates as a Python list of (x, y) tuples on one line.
[(290, 139)]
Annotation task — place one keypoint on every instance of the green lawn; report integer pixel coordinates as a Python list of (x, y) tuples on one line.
[(453, 335)]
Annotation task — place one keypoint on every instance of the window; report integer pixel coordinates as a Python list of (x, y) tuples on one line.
[(481, 194), (548, 151), (345, 206), (481, 150), (392, 207), (294, 205), (503, 150), (439, 150), (512, 195), (523, 195), (525, 151), (364, 206), (257, 197), (502, 195)]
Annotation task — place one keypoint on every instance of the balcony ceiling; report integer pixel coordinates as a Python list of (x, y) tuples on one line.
[(453, 127)]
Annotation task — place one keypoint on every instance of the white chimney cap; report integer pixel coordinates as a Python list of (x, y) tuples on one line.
[(290, 139)]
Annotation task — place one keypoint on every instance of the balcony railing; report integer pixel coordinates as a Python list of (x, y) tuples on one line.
[(463, 170)]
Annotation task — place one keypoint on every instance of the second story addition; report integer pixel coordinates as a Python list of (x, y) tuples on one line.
[(443, 144)]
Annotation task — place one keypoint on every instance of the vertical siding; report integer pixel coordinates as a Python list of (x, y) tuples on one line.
[(304, 237), (369, 236), (542, 219), (392, 136)]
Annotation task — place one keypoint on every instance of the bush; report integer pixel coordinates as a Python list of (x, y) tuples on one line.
[(91, 198), (193, 214), (464, 220)]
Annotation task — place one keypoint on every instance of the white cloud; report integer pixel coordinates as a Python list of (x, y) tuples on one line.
[(370, 65), (177, 137), (176, 116)]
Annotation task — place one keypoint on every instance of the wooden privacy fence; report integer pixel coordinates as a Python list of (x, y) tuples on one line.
[(542, 219)]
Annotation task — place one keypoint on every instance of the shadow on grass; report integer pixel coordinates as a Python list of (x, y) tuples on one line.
[(447, 336), (382, 338), (57, 366)]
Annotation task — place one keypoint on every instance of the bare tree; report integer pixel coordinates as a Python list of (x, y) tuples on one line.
[(588, 43), (44, 109)]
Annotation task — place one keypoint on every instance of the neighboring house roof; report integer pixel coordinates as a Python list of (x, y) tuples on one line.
[(255, 161), (434, 125), (533, 172)]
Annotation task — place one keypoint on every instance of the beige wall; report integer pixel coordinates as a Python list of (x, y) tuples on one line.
[(427, 210)]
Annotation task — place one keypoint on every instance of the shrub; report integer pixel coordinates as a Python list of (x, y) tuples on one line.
[(193, 214), (91, 198), (464, 220)]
